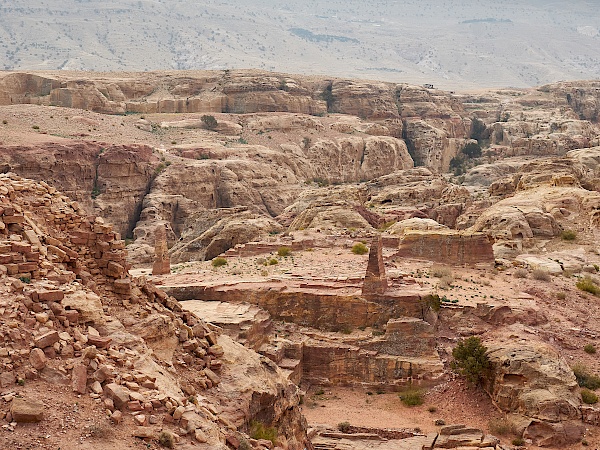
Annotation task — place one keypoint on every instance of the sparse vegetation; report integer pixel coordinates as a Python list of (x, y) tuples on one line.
[(166, 439), (589, 348), (502, 427), (568, 235), (98, 431), (588, 397), (561, 295), (5, 122), (25, 279), (518, 441), (587, 285), (219, 261), (272, 262), (35, 127), (209, 122), (360, 249), (412, 397), (344, 427), (584, 378), (541, 275), (470, 360), (433, 301), (259, 430), (520, 273), (284, 251), (440, 271)]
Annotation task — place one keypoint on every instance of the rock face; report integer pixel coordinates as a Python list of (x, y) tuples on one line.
[(108, 180), (533, 380), (448, 247)]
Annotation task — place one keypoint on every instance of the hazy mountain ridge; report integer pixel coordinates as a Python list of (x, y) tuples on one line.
[(453, 44)]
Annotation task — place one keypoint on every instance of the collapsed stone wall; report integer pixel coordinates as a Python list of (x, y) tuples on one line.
[(72, 315)]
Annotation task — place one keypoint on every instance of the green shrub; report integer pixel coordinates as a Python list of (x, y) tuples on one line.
[(585, 378), (412, 397), (344, 427), (568, 235), (589, 348), (588, 397), (433, 301), (284, 251), (472, 150), (360, 249), (35, 127), (259, 430), (587, 284), (470, 360), (272, 262), (561, 295), (25, 279), (219, 261), (518, 441), (209, 121)]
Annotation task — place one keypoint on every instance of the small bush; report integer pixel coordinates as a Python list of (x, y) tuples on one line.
[(541, 275), (412, 397), (587, 284), (518, 441), (245, 445), (35, 127), (432, 409), (561, 295), (98, 431), (585, 378), (470, 360), (166, 439), (520, 273), (588, 397), (568, 235), (261, 431), (433, 301), (25, 279), (440, 272), (359, 249), (344, 427), (502, 427), (209, 121), (264, 273), (284, 251), (589, 348), (5, 122), (219, 261), (272, 262), (472, 150)]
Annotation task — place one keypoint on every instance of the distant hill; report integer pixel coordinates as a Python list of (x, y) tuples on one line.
[(451, 44)]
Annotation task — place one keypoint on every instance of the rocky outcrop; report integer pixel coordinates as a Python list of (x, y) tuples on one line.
[(447, 247), (533, 380)]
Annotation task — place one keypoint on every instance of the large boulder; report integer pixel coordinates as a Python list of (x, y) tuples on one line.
[(532, 379)]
